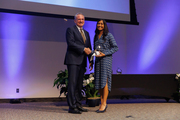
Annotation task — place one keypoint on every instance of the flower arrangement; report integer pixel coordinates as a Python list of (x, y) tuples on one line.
[(89, 80), (61, 82), (89, 86), (177, 94), (177, 76)]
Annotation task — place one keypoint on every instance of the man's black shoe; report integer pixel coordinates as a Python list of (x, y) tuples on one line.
[(80, 108), (74, 111)]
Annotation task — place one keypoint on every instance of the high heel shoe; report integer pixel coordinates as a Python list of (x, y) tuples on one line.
[(102, 111), (97, 110)]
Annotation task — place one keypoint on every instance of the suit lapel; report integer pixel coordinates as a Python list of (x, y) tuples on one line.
[(78, 33)]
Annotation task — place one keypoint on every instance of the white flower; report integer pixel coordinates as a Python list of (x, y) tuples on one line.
[(91, 79), (84, 81), (177, 76), (91, 75), (87, 81)]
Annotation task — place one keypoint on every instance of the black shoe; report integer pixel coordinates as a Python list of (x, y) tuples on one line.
[(97, 110), (80, 108), (102, 111), (74, 111)]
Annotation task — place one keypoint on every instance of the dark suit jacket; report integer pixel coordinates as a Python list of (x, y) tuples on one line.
[(75, 46)]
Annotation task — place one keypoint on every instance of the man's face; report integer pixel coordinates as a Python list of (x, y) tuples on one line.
[(79, 20)]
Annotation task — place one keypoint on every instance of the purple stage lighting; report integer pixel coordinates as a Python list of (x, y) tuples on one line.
[(160, 29)]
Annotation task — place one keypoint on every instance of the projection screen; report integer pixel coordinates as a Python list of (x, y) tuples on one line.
[(118, 11)]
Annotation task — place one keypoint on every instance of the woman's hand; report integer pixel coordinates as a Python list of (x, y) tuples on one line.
[(100, 55), (90, 66)]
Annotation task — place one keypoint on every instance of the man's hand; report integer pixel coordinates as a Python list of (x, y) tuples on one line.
[(100, 55), (87, 51), (90, 66)]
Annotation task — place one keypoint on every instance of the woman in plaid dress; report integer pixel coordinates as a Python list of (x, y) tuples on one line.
[(103, 61)]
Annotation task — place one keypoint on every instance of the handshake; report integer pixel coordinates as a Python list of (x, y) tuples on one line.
[(87, 51), (97, 52)]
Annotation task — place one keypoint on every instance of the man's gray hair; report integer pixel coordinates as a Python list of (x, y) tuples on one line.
[(77, 15)]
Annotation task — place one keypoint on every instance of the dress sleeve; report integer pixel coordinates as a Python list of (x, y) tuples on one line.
[(113, 45)]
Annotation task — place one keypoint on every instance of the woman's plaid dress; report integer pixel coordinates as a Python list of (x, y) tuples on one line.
[(103, 65)]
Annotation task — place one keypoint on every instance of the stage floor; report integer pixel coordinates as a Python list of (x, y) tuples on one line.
[(132, 109)]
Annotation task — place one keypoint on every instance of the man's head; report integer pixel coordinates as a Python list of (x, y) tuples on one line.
[(79, 19)]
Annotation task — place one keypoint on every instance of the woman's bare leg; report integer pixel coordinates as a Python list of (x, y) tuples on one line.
[(105, 95), (101, 96)]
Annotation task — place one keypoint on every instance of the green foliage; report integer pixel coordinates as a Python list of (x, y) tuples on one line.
[(61, 81), (90, 88)]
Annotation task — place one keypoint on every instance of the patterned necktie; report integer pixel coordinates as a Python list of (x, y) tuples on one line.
[(83, 36)]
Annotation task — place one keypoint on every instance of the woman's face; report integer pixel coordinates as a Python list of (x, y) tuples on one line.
[(100, 25)]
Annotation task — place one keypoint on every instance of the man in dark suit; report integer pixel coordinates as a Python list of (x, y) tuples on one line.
[(78, 48)]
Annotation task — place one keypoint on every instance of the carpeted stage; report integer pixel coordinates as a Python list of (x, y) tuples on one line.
[(131, 109), (133, 97)]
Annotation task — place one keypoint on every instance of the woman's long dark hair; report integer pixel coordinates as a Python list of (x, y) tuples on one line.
[(105, 31)]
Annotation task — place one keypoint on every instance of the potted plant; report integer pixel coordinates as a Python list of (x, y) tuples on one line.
[(92, 96), (177, 94), (61, 82)]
